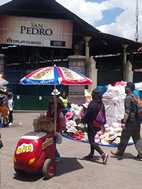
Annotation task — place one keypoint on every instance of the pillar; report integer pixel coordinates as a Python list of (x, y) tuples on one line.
[(93, 73), (129, 72), (2, 80), (87, 50), (76, 92), (124, 61), (2, 64), (87, 55)]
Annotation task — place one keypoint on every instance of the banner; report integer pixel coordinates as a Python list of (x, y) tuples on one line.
[(41, 32)]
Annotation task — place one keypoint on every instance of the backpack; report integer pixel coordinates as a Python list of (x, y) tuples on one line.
[(138, 101)]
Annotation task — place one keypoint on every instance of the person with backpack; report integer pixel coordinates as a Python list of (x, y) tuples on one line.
[(95, 110), (130, 122)]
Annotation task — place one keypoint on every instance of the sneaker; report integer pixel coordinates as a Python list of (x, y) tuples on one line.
[(89, 157), (58, 157), (10, 124), (104, 158), (117, 155)]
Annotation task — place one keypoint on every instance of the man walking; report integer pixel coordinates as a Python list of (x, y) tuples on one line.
[(131, 123)]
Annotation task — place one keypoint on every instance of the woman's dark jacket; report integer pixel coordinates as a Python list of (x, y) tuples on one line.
[(92, 111)]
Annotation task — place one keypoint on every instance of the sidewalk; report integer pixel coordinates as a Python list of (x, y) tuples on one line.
[(72, 172)]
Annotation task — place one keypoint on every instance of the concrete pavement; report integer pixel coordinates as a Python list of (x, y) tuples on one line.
[(72, 172)]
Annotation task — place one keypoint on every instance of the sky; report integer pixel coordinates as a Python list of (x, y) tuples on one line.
[(116, 17)]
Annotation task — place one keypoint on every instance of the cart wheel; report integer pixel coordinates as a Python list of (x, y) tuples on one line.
[(49, 168), (18, 172)]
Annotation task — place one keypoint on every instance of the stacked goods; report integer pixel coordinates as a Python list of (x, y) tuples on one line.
[(113, 99), (43, 123)]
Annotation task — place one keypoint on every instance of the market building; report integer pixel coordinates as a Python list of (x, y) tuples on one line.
[(41, 33)]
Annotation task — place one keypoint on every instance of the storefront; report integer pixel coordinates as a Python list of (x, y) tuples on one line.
[(30, 43)]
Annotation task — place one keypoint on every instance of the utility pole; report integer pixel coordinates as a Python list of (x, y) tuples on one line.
[(137, 20)]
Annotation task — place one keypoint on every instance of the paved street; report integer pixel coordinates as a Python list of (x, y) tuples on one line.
[(72, 172)]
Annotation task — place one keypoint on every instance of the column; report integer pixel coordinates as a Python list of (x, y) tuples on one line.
[(2, 64), (76, 92), (129, 72), (124, 61), (93, 73), (87, 54)]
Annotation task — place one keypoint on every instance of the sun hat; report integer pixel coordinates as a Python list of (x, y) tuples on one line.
[(55, 92)]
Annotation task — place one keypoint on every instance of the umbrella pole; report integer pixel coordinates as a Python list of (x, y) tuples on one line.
[(55, 110)]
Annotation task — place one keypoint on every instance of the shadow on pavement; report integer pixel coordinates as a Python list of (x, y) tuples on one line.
[(125, 156), (96, 159), (27, 177), (67, 165)]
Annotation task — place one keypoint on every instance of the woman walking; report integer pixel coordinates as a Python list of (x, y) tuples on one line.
[(95, 119)]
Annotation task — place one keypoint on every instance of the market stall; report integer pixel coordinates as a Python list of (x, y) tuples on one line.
[(113, 99)]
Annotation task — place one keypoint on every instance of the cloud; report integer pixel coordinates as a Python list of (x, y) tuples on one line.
[(3, 1), (124, 24)]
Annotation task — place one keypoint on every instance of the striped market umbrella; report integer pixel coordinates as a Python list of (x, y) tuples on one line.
[(54, 75)]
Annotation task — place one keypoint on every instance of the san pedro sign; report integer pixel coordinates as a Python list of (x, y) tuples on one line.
[(29, 31)]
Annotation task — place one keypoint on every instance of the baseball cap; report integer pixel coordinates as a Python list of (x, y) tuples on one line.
[(55, 92)]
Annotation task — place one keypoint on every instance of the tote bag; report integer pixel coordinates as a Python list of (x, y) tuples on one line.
[(100, 118)]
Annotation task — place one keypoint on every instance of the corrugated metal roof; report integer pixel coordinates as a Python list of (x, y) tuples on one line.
[(101, 43)]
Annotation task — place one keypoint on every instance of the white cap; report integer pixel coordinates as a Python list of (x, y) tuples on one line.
[(55, 92)]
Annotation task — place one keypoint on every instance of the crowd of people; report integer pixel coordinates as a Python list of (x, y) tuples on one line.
[(92, 114)]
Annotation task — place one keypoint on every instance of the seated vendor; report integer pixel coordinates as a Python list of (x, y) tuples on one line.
[(64, 100)]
